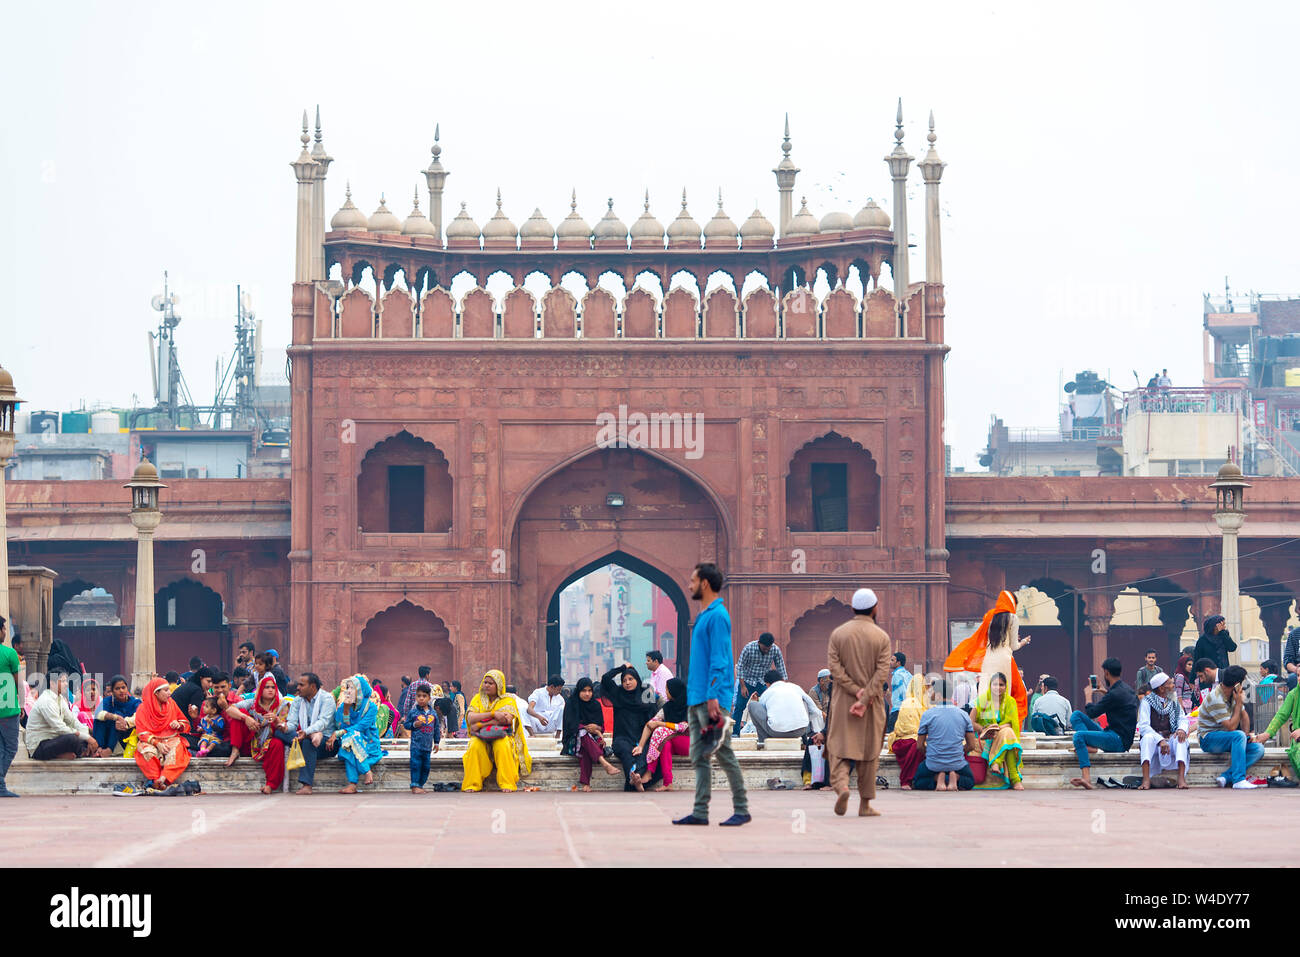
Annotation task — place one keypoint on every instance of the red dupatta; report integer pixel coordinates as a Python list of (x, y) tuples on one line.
[(153, 718)]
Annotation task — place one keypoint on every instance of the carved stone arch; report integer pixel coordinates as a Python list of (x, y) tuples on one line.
[(759, 317), (720, 314), (814, 498), (438, 314), (681, 314), (559, 314), (840, 315), (397, 315), (198, 607), (599, 314), (478, 317), (799, 314), (357, 316), (640, 315), (805, 651), (400, 639), (519, 314), (323, 324), (880, 315), (404, 484), (359, 271), (425, 279)]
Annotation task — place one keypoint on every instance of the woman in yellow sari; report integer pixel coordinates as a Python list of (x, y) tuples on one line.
[(997, 724), (902, 740), (496, 736)]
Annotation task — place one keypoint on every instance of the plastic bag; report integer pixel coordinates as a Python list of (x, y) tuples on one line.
[(130, 744), (295, 760), (817, 760)]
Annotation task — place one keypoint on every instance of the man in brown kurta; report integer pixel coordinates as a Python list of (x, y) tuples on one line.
[(859, 653)]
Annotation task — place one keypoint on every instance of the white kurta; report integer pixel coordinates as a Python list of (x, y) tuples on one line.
[(1150, 742)]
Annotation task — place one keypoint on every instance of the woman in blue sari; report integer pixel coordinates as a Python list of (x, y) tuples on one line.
[(357, 732)]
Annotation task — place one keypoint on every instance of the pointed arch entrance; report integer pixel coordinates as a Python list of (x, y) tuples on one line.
[(555, 656), (655, 514)]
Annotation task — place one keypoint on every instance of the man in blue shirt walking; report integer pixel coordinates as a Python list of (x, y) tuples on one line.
[(708, 697)]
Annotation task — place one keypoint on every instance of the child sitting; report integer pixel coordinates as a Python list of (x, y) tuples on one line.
[(211, 726), (426, 734)]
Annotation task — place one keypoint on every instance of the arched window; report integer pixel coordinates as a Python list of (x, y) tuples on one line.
[(405, 486), (832, 486)]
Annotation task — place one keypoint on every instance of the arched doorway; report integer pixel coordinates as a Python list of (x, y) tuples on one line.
[(190, 621), (400, 639), (636, 503), (568, 664)]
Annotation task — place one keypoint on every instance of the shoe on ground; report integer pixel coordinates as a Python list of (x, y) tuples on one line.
[(1258, 782), (1244, 786), (125, 790), (1221, 781), (1277, 781), (842, 803), (760, 746), (191, 787), (736, 820), (6, 793), (691, 819), (1131, 781)]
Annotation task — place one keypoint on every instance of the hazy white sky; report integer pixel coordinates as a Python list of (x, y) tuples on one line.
[(1108, 163)]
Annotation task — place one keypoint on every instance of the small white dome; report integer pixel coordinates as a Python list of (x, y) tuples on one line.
[(462, 227), (720, 231), (348, 216), (499, 228), (647, 230), (537, 227), (573, 227), (382, 219), (417, 224), (803, 223), (757, 230), (684, 231), (871, 216), (610, 227), (836, 223)]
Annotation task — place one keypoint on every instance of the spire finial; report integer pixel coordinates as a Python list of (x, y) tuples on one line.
[(931, 136), (306, 137), (683, 198), (436, 150), (347, 191), (785, 146), (719, 197), (498, 199), (898, 129), (382, 201), (611, 204), (647, 200), (417, 199), (573, 200), (317, 122)]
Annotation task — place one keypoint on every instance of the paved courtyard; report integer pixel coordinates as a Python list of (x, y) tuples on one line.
[(790, 828)]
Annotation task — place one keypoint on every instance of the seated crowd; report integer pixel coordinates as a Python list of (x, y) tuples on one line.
[(944, 736)]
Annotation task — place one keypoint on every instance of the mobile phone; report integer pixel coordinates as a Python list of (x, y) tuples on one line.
[(1092, 680)]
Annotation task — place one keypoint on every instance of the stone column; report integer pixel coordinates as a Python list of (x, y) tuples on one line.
[(1230, 587), (323, 161), (304, 169), (436, 177), (144, 660), (300, 649), (785, 172), (6, 450), (931, 170), (899, 162), (1100, 607)]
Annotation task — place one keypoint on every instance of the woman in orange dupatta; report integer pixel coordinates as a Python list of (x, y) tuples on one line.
[(970, 654), (162, 754)]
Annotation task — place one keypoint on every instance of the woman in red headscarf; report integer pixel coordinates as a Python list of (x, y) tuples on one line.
[(267, 746), (162, 754), (989, 650)]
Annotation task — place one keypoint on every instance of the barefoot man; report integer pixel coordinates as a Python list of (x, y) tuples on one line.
[(859, 656)]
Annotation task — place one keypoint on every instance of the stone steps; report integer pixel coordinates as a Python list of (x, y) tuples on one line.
[(1043, 769)]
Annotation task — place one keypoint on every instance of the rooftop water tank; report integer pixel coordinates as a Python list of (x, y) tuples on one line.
[(104, 423)]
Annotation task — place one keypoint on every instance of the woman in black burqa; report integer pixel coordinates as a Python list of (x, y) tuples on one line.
[(634, 704)]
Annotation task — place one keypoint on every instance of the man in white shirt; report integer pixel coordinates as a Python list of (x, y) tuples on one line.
[(659, 673), (783, 711), (1052, 704), (543, 713)]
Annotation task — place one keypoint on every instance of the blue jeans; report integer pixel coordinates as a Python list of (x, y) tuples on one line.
[(1089, 734), (742, 699), (420, 760), (1244, 753)]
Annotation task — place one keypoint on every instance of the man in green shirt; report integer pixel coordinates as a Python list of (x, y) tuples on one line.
[(10, 707)]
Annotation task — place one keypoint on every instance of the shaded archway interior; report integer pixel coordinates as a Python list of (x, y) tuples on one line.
[(400, 639), (554, 656)]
